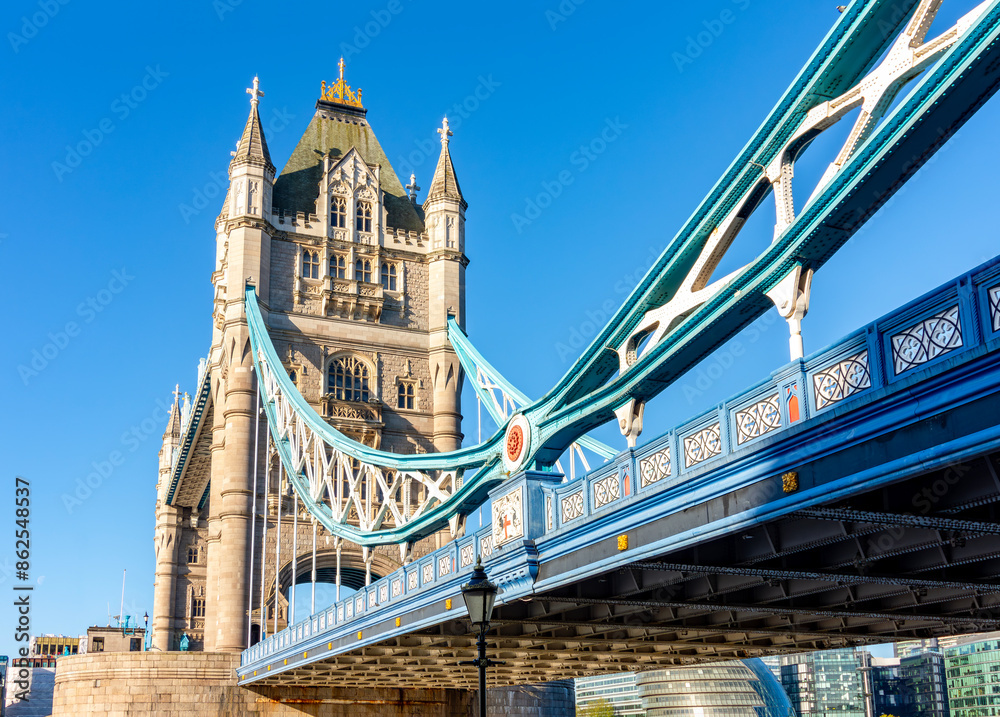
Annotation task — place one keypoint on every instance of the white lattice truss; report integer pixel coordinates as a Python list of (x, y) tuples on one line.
[(367, 496), (504, 405), (908, 57)]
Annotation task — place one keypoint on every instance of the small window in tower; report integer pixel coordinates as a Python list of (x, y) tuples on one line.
[(198, 607), (388, 276), (364, 217), (294, 376), (192, 555), (338, 212), (405, 396), (338, 266), (310, 264), (363, 270), (97, 644)]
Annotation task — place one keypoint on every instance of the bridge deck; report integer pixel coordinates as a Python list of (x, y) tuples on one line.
[(852, 498)]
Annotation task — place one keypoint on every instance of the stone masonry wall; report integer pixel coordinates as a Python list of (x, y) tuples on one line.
[(203, 684)]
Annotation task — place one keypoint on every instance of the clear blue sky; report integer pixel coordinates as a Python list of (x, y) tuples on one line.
[(157, 90)]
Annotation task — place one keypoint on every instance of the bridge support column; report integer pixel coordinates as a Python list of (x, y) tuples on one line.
[(236, 494), (168, 532)]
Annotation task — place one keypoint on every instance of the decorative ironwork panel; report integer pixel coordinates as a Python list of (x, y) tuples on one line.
[(372, 602), (428, 573), (340, 613), (995, 307), (654, 468), (412, 581), (845, 378), (444, 565), (486, 546), (350, 609), (359, 605), (572, 507), (607, 490), (468, 555), (548, 512), (397, 587), (756, 420), (508, 517), (926, 340), (383, 593), (700, 446)]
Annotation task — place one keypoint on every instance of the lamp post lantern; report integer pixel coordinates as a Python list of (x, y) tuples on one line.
[(479, 595)]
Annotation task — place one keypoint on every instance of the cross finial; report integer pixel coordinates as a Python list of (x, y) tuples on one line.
[(341, 66), (445, 132), (255, 92), (413, 189), (177, 392)]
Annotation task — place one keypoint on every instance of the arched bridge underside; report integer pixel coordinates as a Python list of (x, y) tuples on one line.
[(851, 498)]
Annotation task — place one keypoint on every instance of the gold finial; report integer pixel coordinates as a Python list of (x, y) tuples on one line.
[(255, 92), (340, 92)]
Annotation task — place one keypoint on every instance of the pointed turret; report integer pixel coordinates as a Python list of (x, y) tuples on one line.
[(445, 182), (444, 215), (252, 147)]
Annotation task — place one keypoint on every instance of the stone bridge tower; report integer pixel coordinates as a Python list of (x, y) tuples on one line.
[(356, 281)]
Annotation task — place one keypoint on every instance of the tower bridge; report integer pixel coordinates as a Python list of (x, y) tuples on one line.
[(849, 498)]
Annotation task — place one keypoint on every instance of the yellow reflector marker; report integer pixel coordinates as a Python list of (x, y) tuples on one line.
[(623, 542), (359, 634), (447, 604), (398, 622)]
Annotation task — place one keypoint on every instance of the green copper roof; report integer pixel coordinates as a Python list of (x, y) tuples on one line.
[(297, 188)]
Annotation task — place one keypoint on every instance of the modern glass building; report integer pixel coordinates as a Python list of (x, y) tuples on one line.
[(744, 688), (824, 684), (972, 667), (619, 690), (926, 687), (884, 688)]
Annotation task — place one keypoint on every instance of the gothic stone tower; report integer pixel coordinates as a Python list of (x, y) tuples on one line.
[(356, 282)]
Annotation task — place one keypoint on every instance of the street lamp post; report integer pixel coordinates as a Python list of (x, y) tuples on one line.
[(479, 594)]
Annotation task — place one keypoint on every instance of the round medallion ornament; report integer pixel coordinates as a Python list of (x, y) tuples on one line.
[(516, 443)]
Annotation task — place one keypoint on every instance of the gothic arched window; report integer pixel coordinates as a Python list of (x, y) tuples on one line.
[(348, 379), (310, 264), (404, 395), (338, 212), (388, 276), (338, 266), (364, 217), (363, 270)]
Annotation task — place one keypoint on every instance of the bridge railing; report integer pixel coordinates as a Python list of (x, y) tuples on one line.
[(421, 575), (941, 326)]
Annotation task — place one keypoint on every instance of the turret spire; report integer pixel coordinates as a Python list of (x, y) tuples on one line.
[(252, 146), (445, 182)]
